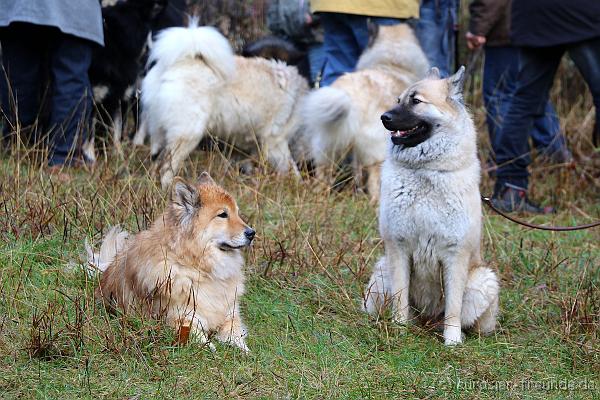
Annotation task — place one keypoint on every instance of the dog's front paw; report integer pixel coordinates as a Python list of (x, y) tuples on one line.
[(402, 316), (400, 319), (238, 341), (453, 336), (242, 346), (202, 340)]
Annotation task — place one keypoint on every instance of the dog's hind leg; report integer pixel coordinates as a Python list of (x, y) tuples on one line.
[(480, 301), (89, 149), (157, 142), (176, 152), (117, 129), (280, 157), (140, 135), (374, 182)]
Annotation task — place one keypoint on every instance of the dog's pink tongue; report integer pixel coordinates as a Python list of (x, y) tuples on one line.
[(398, 133)]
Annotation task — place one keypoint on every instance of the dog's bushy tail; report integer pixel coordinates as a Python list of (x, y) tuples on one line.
[(327, 107), (328, 118), (204, 42), (114, 241)]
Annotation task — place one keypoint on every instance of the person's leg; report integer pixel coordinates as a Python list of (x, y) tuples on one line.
[(499, 83), (345, 38), (20, 76), (435, 31), (316, 58), (534, 80), (586, 56), (547, 137), (71, 97), (497, 88)]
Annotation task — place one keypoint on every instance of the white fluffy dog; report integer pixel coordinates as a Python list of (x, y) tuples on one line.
[(197, 86)]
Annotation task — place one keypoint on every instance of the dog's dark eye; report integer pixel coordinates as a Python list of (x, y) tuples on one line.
[(398, 100), (223, 215), (416, 101)]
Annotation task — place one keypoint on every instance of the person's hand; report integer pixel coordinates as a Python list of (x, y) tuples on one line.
[(474, 41), (308, 19)]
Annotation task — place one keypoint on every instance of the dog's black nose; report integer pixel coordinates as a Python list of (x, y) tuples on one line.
[(386, 117), (249, 232)]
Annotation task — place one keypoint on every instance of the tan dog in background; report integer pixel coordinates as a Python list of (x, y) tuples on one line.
[(345, 115), (187, 268)]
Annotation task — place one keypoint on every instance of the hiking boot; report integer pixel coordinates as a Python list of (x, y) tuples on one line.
[(512, 198)]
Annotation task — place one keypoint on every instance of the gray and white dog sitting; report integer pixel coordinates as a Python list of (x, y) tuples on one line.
[(430, 214)]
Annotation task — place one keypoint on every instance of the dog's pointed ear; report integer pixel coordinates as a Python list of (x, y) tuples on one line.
[(456, 83), (433, 73), (185, 200), (205, 179)]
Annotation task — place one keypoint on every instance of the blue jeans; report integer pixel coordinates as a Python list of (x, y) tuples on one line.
[(436, 33), (537, 67), (346, 36), (499, 84), (30, 53), (316, 58)]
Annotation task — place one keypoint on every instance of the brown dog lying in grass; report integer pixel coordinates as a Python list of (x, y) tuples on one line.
[(187, 268)]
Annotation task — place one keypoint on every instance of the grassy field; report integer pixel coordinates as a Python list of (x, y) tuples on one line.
[(306, 274)]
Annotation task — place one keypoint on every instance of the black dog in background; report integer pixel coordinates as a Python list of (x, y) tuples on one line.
[(276, 48), (117, 66)]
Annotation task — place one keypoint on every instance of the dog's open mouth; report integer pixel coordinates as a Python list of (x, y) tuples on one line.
[(411, 136)]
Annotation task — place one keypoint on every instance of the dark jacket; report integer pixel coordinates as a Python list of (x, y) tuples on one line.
[(544, 23), (491, 18)]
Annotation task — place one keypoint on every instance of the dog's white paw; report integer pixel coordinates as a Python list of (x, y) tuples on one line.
[(239, 342), (453, 336), (202, 340), (242, 346), (401, 317)]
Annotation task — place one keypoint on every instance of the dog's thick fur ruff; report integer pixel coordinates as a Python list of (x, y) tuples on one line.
[(345, 115), (198, 86), (430, 214), (187, 268)]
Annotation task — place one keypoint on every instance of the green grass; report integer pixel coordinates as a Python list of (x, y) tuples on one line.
[(305, 278)]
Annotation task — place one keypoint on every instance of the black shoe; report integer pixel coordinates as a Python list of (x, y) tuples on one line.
[(512, 198)]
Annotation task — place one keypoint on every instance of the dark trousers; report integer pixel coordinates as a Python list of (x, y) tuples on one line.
[(536, 74), (500, 71), (30, 54)]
